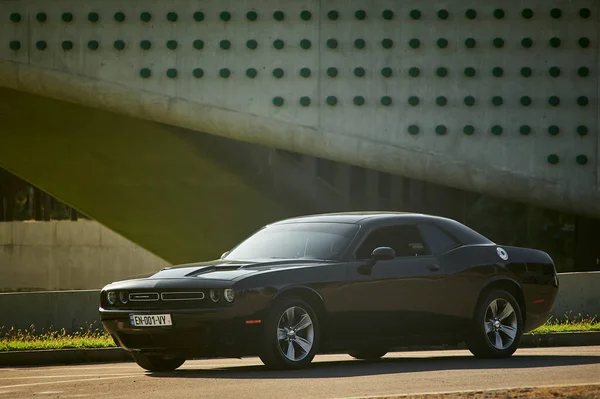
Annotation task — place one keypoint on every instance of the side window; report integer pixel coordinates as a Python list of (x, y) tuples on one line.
[(438, 240), (405, 240)]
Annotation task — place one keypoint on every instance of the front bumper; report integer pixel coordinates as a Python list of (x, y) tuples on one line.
[(194, 333)]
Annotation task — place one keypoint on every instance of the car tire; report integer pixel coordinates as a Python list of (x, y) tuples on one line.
[(291, 321), (368, 354), (156, 363), (497, 326)]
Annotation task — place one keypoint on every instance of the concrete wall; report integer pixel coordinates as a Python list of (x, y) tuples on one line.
[(67, 255), (76, 309), (579, 293), (538, 167), (71, 310)]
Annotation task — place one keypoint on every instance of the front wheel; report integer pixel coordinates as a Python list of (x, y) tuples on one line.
[(291, 335), (156, 363), (497, 326)]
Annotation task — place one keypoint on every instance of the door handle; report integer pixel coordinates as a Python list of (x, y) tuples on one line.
[(434, 268)]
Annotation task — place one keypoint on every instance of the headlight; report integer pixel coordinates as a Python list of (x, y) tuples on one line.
[(215, 295), (111, 297), (124, 297), (229, 295)]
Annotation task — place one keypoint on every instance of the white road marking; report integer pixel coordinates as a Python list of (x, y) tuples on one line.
[(65, 382), (69, 376), (48, 392)]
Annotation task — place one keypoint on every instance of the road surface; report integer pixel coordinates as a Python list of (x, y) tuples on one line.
[(331, 376)]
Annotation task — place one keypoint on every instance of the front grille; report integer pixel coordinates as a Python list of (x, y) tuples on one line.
[(182, 296), (143, 296)]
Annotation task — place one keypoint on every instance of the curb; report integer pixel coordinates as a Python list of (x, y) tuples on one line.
[(63, 356), (110, 355)]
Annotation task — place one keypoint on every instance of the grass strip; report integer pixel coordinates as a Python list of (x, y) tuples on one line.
[(30, 339)]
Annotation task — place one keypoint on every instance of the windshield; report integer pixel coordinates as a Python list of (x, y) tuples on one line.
[(326, 241)]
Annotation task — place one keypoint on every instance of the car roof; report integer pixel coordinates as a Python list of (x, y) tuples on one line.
[(354, 217), (374, 219)]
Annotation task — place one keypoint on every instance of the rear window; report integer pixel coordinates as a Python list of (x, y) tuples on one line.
[(439, 241)]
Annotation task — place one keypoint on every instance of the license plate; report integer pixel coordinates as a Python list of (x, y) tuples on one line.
[(150, 320)]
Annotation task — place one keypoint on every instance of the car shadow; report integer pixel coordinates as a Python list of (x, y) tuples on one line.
[(355, 368)]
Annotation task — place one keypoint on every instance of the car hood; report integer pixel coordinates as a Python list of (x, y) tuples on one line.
[(230, 270)]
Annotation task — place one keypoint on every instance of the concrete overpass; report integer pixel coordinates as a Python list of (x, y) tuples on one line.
[(499, 98)]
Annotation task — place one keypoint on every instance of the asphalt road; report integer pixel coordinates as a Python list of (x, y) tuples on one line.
[(331, 376)]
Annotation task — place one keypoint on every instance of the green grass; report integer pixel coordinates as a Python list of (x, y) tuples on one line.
[(569, 323), (95, 337), (30, 339)]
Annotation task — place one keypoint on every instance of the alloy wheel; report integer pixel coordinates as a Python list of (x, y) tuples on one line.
[(500, 324), (295, 333)]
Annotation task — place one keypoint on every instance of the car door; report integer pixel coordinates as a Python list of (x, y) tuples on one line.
[(399, 297)]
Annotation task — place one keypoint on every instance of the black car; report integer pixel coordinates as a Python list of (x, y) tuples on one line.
[(360, 283)]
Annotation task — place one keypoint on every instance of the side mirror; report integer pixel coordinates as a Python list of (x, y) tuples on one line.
[(380, 253), (383, 253), (225, 254)]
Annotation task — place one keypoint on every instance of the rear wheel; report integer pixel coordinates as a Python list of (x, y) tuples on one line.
[(156, 363), (368, 354), (291, 335), (497, 326)]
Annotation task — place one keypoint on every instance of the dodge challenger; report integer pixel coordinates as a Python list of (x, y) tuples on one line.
[(360, 283)]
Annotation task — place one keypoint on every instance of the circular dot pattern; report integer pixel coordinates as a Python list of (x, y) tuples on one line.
[(224, 73), (304, 101), (171, 44), (331, 100), (441, 130), (41, 45), (442, 43), (145, 16), (145, 44), (469, 130), (581, 159), (413, 129), (553, 130), (441, 101), (278, 73), (305, 72), (332, 43), (387, 14), (413, 100), (252, 44), (278, 101), (359, 100), (172, 73), (198, 73), (469, 72), (305, 15), (360, 14), (41, 17), (198, 16), (332, 72), (251, 16), (333, 15), (198, 44), (278, 44), (67, 17), (172, 16), (278, 16), (525, 130), (582, 130), (119, 17), (67, 45), (386, 72), (497, 130), (119, 44), (414, 72), (93, 45), (553, 159), (225, 16), (386, 101), (93, 17), (145, 73), (359, 43), (305, 44), (359, 72), (470, 42), (441, 72)]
